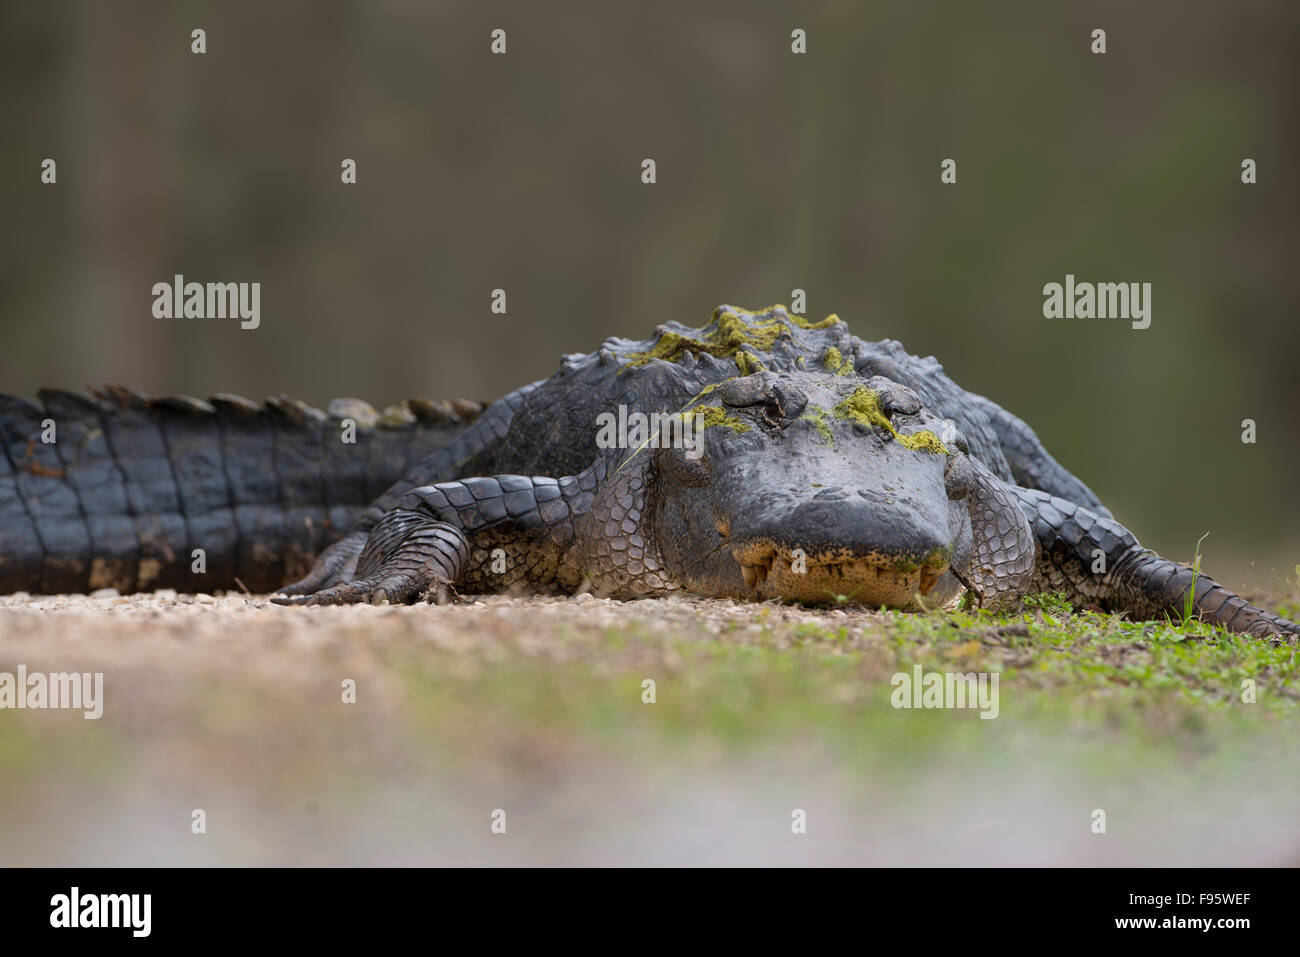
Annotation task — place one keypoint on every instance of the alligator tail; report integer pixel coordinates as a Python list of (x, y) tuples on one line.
[(1097, 562), (121, 490)]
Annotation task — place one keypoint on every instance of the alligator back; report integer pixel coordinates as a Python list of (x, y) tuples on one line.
[(120, 490)]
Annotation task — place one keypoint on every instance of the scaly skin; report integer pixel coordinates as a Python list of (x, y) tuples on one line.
[(832, 469), (132, 485)]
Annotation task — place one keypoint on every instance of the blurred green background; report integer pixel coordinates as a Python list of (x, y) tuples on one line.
[(775, 171)]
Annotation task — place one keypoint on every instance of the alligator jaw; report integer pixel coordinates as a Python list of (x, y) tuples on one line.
[(872, 580)]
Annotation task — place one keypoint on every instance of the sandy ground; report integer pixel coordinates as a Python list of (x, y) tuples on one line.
[(534, 707)]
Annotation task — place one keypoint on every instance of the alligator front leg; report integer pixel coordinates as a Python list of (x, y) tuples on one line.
[(1001, 564), (424, 545), (492, 534), (1097, 562)]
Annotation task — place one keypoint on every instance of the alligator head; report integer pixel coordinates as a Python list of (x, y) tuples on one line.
[(826, 489)]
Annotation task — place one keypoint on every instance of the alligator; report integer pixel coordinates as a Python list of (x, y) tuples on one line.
[(825, 469)]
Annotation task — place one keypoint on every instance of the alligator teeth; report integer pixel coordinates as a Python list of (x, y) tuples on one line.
[(835, 574), (757, 572), (929, 578)]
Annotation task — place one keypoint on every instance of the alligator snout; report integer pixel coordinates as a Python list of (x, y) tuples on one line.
[(855, 545), (875, 580)]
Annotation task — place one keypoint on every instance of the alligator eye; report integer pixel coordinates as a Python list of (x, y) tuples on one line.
[(773, 410)]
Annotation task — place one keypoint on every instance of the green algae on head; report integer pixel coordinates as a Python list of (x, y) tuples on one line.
[(923, 441), (835, 362), (817, 416), (748, 363), (707, 416), (731, 334), (826, 323), (863, 407)]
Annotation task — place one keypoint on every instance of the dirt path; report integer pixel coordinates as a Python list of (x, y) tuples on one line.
[(537, 708)]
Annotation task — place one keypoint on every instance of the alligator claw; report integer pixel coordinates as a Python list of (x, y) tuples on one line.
[(400, 587), (376, 590), (333, 566)]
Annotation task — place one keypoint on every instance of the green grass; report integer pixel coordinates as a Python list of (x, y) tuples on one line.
[(460, 712), (1097, 677)]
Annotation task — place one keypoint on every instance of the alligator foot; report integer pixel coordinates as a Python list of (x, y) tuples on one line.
[(407, 556), (1098, 563), (334, 566)]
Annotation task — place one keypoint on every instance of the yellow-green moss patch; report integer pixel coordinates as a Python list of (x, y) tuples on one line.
[(730, 334), (863, 407), (834, 361), (818, 417), (923, 441), (826, 323), (707, 416), (748, 363)]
